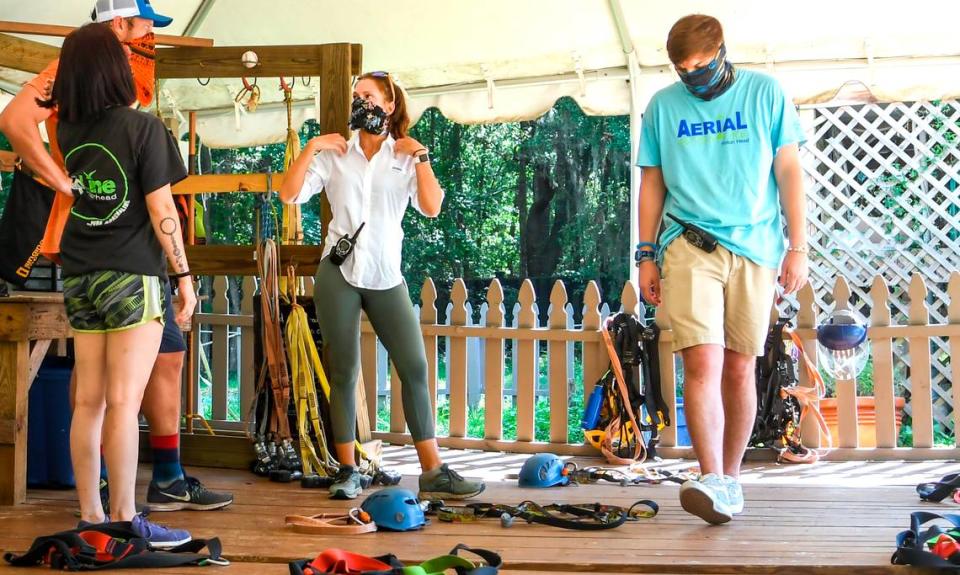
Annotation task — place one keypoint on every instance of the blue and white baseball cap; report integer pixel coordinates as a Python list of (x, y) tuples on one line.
[(106, 10)]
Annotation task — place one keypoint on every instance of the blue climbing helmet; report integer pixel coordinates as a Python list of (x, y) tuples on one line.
[(842, 345), (842, 331), (543, 470), (395, 509)]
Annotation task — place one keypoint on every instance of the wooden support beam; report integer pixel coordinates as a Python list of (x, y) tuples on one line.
[(37, 354), (221, 183), (52, 30), (224, 61), (335, 96), (26, 55), (356, 59), (14, 365), (239, 260)]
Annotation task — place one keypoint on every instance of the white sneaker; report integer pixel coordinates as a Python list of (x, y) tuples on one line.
[(734, 494), (707, 499)]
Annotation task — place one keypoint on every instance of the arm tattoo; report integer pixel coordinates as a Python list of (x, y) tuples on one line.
[(169, 227)]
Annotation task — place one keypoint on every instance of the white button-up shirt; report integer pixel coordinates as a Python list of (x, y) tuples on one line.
[(376, 192)]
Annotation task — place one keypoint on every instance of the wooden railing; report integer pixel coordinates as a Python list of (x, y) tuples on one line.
[(888, 342)]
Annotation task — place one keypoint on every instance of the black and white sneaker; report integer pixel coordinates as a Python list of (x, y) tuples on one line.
[(186, 493)]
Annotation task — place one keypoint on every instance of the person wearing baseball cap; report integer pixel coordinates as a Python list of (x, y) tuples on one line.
[(170, 489), (107, 10)]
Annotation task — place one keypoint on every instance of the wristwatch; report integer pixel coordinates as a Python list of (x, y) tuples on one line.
[(422, 157)]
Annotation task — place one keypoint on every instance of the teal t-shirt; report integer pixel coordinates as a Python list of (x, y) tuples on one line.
[(717, 162)]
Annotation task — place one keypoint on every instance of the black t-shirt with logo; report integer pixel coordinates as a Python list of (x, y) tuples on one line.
[(117, 161)]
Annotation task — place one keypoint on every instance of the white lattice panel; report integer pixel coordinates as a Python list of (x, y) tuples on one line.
[(883, 200)]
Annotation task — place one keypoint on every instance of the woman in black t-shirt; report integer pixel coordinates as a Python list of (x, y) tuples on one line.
[(122, 223)]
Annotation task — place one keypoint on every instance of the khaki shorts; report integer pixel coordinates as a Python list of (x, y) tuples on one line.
[(717, 298)]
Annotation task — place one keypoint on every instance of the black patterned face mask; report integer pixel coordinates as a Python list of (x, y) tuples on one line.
[(368, 117), (711, 80)]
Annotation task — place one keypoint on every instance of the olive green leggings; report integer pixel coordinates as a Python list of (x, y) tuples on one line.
[(338, 310)]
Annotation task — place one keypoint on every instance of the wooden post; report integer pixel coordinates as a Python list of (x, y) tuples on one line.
[(219, 364), (526, 366), (368, 371), (428, 316), (335, 97), (847, 425), (559, 393), (493, 379), (192, 334), (921, 397), (594, 355), (457, 362), (882, 352), (953, 317), (668, 380), (248, 367), (14, 367)]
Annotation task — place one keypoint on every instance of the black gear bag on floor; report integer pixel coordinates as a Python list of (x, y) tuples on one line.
[(111, 546)]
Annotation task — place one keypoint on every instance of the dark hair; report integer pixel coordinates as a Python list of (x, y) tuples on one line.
[(399, 119), (693, 34), (93, 75)]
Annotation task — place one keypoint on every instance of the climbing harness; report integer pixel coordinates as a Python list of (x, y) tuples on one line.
[(781, 403), (576, 516), (937, 491), (626, 402), (112, 546), (935, 546), (354, 522), (340, 562)]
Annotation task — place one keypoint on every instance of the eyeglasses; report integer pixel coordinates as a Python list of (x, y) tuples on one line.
[(381, 74)]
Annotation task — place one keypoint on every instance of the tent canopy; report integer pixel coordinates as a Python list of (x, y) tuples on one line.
[(502, 60)]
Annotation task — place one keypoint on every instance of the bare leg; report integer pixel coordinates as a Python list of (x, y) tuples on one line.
[(130, 357), (702, 368), (88, 396), (161, 399), (429, 454), (739, 408)]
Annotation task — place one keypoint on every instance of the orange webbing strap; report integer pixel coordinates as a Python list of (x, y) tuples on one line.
[(355, 522), (809, 396), (616, 423), (272, 338)]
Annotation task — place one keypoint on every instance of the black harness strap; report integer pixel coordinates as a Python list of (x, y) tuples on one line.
[(579, 517)]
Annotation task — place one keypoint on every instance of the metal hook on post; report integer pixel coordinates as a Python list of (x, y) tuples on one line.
[(490, 86), (578, 67)]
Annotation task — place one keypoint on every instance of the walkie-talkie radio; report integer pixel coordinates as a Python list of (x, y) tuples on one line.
[(344, 246), (697, 236)]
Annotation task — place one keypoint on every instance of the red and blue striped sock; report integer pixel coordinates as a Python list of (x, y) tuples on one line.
[(166, 459)]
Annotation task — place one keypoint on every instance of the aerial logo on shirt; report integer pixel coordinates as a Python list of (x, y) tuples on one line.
[(718, 128), (99, 183)]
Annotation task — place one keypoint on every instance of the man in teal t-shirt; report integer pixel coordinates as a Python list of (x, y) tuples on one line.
[(719, 152)]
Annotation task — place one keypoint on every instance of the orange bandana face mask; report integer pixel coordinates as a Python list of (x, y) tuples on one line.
[(143, 63)]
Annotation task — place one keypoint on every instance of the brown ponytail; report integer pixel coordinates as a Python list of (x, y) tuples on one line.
[(399, 119)]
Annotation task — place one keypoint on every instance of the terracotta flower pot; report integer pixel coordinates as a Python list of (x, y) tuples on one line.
[(866, 418)]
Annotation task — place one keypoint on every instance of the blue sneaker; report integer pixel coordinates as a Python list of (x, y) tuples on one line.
[(159, 536), (734, 494), (707, 499)]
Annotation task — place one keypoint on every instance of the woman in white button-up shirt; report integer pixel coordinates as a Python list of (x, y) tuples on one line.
[(369, 182)]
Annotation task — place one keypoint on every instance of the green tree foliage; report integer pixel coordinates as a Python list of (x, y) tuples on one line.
[(545, 199)]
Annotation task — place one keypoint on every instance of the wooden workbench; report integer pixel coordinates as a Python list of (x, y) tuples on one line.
[(29, 322)]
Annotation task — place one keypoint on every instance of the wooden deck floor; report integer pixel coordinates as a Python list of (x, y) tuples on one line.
[(827, 518)]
